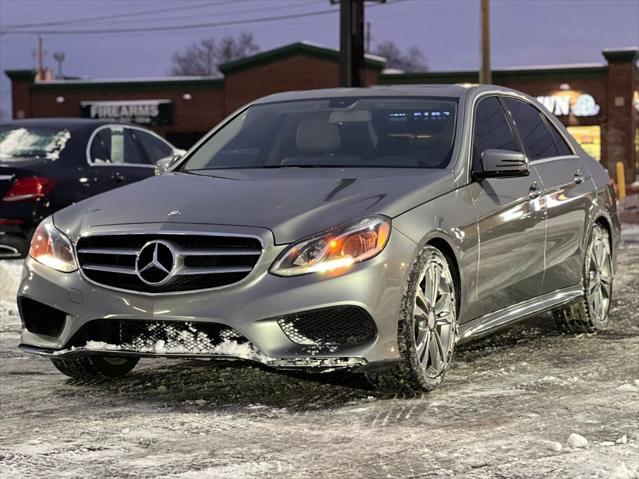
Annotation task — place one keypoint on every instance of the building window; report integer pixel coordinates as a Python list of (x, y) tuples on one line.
[(589, 137)]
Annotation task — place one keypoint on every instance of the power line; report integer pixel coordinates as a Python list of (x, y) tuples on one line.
[(183, 27), (299, 5), (116, 15)]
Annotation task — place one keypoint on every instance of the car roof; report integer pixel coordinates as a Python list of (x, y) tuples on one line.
[(68, 123), (375, 91)]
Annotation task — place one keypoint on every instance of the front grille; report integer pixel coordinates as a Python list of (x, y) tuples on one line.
[(150, 336), (339, 325), (200, 261)]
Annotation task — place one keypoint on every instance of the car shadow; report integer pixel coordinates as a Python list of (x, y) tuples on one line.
[(231, 385)]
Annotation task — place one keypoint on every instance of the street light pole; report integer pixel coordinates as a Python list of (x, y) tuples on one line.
[(484, 72)]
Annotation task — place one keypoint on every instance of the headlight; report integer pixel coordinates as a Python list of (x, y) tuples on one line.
[(335, 249), (52, 248)]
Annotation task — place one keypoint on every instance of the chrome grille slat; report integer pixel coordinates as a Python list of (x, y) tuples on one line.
[(108, 269), (218, 252), (201, 260), (122, 251), (221, 270)]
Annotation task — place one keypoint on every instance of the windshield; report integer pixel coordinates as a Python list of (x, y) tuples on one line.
[(32, 142), (337, 132)]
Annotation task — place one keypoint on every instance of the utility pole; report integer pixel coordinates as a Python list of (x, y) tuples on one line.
[(40, 58), (484, 71), (59, 57), (351, 42), (368, 37)]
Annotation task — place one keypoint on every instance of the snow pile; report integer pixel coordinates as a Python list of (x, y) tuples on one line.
[(21, 143), (576, 441), (10, 272)]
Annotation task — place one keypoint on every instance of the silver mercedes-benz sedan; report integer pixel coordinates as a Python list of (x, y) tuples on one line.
[(365, 229)]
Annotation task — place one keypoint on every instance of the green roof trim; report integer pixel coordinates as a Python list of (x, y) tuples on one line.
[(298, 48), (20, 74), (470, 76)]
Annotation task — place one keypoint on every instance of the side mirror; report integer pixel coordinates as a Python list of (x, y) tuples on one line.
[(502, 164), (163, 165)]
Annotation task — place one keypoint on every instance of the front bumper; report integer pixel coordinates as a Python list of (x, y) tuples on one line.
[(250, 307)]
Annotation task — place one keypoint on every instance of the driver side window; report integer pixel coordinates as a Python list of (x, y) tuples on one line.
[(492, 131)]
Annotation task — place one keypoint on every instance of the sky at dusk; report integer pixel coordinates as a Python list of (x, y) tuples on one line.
[(523, 32)]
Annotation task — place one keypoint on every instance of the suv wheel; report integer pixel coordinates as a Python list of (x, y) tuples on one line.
[(427, 329), (590, 313), (94, 367)]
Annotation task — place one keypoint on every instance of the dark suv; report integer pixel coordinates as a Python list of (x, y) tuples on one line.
[(47, 164)]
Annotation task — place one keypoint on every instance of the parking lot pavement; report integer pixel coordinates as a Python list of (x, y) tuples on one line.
[(506, 409)]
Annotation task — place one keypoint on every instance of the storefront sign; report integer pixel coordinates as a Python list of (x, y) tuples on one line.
[(577, 105), (145, 112)]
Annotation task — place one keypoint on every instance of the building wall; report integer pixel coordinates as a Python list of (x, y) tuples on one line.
[(303, 67)]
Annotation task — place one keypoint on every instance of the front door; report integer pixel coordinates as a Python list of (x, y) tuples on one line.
[(510, 220)]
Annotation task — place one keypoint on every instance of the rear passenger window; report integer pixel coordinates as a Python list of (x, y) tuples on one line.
[(492, 130), (562, 147), (532, 129)]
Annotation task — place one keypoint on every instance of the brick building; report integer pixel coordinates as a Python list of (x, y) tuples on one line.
[(599, 103)]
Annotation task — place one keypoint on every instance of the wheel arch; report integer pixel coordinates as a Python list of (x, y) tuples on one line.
[(445, 246)]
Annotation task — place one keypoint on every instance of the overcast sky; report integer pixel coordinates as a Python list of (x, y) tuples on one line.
[(524, 32)]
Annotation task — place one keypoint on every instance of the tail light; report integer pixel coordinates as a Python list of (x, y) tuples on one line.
[(29, 188)]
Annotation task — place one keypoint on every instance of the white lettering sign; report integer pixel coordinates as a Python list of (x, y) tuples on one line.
[(560, 105), (135, 111)]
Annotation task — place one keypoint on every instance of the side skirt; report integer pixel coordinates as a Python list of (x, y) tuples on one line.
[(492, 322)]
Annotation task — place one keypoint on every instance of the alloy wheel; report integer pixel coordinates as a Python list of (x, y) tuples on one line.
[(435, 318), (599, 277)]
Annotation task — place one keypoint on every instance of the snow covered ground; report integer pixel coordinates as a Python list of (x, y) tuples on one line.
[(529, 402)]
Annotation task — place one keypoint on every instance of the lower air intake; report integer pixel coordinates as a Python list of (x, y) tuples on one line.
[(339, 325), (160, 337)]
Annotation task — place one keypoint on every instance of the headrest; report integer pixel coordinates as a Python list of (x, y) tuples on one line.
[(316, 135)]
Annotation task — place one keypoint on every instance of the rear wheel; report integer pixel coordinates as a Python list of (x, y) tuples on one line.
[(590, 313), (93, 367), (427, 328)]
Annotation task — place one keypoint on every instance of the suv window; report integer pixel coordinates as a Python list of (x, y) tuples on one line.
[(117, 145), (533, 130), (155, 148), (492, 130)]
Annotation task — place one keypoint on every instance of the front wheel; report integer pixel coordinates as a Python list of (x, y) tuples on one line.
[(590, 313), (427, 328), (94, 367)]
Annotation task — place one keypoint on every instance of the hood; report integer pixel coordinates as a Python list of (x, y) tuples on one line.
[(291, 202)]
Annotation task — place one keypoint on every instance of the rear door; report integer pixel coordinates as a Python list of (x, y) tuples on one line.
[(156, 148), (117, 158), (510, 219), (567, 189)]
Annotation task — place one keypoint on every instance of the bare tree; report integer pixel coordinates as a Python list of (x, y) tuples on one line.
[(411, 61), (203, 57)]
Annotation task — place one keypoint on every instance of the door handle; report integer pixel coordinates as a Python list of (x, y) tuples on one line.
[(534, 191), (579, 177)]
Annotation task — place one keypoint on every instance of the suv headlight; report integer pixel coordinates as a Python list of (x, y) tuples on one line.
[(335, 249), (52, 248)]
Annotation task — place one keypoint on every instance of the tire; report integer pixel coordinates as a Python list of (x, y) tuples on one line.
[(426, 334), (94, 367), (590, 313)]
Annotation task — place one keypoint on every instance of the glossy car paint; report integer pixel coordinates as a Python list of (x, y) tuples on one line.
[(517, 250), (76, 177)]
